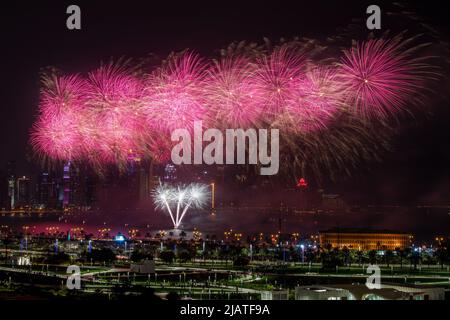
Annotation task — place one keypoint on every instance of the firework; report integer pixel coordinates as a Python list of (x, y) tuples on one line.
[(275, 79), (381, 77), (182, 198), (316, 99), (57, 133), (174, 93), (113, 129), (232, 95), (325, 110)]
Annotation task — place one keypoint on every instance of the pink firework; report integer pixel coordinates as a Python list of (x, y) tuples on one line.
[(159, 146), (174, 94), (275, 78), (380, 77), (317, 98), (231, 94), (57, 132), (113, 128), (113, 116)]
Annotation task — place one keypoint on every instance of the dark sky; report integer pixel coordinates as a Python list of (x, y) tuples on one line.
[(34, 35)]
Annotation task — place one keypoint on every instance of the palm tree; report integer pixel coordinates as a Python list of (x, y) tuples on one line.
[(372, 256), (360, 256), (6, 241), (346, 253), (388, 256), (401, 253), (407, 253), (442, 256)]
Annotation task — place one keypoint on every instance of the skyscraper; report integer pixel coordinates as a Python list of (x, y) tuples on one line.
[(11, 173), (24, 192)]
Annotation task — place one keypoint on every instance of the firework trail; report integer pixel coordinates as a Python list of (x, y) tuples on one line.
[(326, 108), (114, 125), (58, 130), (316, 99), (276, 77), (381, 78), (231, 94), (174, 93), (193, 196)]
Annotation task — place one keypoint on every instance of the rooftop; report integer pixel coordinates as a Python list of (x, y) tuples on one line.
[(362, 230)]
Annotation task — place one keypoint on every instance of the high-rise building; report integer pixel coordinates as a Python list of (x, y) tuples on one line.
[(66, 185), (12, 192), (24, 192), (11, 173), (46, 191), (4, 198), (170, 173), (77, 187), (144, 184)]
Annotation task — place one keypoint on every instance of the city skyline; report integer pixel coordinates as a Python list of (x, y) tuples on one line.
[(411, 145), (224, 152)]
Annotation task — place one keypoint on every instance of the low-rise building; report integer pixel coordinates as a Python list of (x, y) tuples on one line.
[(146, 266), (275, 295), (362, 292), (365, 239), (321, 293)]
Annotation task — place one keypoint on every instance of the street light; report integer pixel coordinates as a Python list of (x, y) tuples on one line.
[(302, 246)]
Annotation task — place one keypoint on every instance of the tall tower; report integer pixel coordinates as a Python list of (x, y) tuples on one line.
[(11, 172), (144, 184), (66, 185), (23, 191)]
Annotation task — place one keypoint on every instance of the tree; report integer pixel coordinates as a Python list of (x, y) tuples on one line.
[(388, 256), (241, 261), (331, 258), (167, 256), (224, 252), (407, 253), (401, 253), (415, 258), (59, 258), (6, 241), (372, 256), (360, 256), (346, 253), (428, 258), (184, 256), (442, 253), (101, 255), (138, 255), (310, 255)]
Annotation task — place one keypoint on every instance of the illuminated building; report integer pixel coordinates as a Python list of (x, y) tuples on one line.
[(170, 173), (146, 266), (66, 185), (11, 172), (362, 292), (144, 184), (46, 191), (23, 191), (4, 198), (362, 239), (12, 192)]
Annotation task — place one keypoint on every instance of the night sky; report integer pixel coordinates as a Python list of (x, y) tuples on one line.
[(34, 35)]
